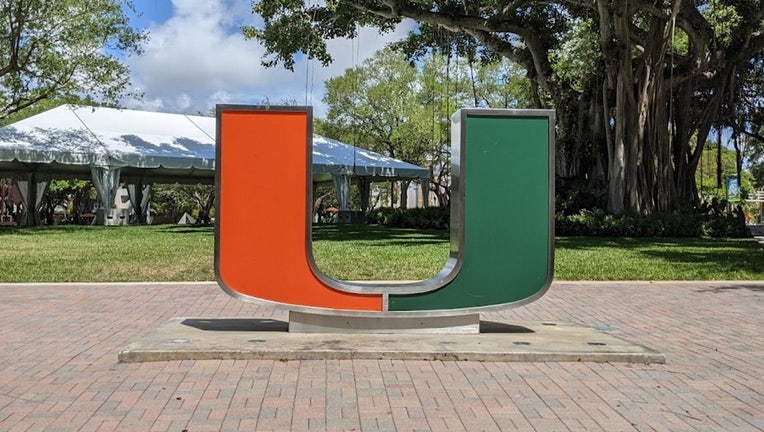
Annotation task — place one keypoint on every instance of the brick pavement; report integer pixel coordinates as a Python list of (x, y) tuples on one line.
[(58, 368)]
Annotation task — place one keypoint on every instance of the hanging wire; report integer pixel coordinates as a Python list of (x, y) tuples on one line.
[(448, 78), (355, 46), (307, 77), (310, 67)]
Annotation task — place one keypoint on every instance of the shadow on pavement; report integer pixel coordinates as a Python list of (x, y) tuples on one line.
[(237, 324)]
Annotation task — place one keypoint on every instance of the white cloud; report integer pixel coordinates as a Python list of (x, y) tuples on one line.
[(198, 58)]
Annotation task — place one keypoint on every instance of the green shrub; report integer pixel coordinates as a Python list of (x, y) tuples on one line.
[(574, 194), (709, 220), (420, 218)]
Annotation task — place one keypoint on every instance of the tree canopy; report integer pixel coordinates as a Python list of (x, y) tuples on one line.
[(638, 85), (63, 49), (402, 110)]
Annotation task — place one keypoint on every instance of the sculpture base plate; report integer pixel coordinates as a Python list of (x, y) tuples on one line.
[(301, 322), (252, 338)]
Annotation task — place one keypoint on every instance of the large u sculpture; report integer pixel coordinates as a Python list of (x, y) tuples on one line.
[(502, 222)]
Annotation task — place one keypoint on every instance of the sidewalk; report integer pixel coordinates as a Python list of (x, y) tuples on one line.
[(59, 370), (757, 231)]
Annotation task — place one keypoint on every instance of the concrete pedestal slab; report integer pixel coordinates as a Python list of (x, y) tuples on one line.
[(300, 322), (247, 339)]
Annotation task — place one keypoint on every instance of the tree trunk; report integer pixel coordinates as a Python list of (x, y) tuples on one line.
[(393, 194), (621, 174), (650, 169), (205, 204), (405, 193)]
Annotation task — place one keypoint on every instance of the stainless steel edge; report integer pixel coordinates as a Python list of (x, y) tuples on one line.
[(550, 114), (219, 108), (454, 262)]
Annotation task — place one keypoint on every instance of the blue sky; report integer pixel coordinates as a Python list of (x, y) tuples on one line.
[(196, 57), (151, 11)]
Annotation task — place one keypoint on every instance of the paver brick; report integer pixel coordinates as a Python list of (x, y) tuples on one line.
[(58, 369)]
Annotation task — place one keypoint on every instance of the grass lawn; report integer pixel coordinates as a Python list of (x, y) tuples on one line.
[(106, 254), (352, 252), (364, 252), (591, 258)]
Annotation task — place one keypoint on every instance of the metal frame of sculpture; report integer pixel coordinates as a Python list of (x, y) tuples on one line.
[(502, 217)]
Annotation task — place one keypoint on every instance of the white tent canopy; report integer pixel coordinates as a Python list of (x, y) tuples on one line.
[(334, 157), (140, 147), (70, 139)]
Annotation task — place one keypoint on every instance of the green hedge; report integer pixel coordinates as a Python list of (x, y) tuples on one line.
[(420, 218), (710, 220)]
